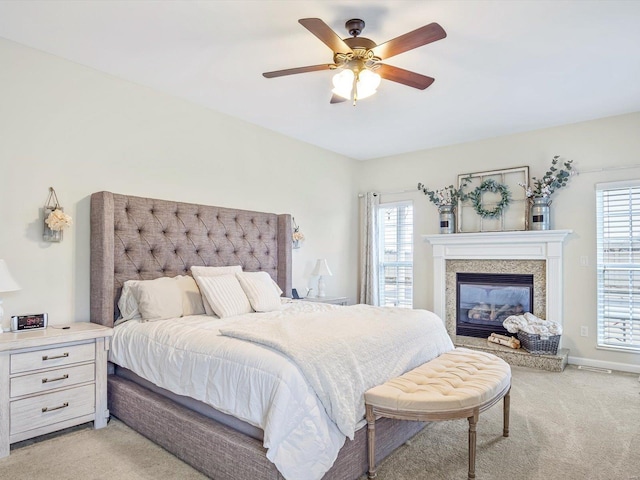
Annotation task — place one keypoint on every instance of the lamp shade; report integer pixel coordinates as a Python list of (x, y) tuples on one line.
[(7, 283), (321, 268)]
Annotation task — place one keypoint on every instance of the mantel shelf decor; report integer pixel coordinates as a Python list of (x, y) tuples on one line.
[(540, 190), (491, 186), (495, 202), (446, 199), (55, 220)]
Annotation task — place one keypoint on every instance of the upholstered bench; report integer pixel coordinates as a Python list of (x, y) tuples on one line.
[(461, 383)]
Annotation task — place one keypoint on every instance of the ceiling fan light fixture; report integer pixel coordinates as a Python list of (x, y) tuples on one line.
[(366, 84), (343, 83), (358, 59)]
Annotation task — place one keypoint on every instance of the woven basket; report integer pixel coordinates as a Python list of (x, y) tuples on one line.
[(543, 345)]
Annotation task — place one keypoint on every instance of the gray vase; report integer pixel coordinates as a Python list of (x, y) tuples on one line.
[(447, 219), (539, 214)]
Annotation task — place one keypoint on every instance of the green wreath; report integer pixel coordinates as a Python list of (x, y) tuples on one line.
[(492, 186)]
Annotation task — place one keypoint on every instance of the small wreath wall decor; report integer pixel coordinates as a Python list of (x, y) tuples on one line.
[(492, 186)]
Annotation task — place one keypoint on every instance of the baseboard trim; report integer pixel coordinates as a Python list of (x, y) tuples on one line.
[(588, 362)]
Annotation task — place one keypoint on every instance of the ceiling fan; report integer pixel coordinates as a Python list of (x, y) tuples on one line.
[(359, 59)]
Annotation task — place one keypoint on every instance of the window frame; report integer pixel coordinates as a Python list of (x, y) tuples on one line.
[(607, 271), (398, 264)]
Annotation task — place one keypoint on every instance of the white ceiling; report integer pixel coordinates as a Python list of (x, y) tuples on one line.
[(505, 66)]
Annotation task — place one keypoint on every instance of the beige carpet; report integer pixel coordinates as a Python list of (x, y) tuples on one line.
[(572, 425), (112, 453)]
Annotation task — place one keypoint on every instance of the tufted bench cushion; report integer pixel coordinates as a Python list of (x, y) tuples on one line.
[(455, 380), (461, 383)]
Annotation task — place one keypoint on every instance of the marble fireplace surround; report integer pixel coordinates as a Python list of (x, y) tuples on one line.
[(537, 268), (537, 252)]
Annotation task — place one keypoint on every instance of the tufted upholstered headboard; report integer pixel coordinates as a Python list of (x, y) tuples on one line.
[(134, 238)]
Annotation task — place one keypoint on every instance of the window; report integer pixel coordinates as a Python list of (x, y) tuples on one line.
[(395, 272), (618, 223)]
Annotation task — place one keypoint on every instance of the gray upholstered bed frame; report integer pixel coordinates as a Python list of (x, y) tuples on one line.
[(142, 238)]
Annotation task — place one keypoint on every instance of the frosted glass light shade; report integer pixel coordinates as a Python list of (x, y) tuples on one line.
[(343, 83), (366, 84)]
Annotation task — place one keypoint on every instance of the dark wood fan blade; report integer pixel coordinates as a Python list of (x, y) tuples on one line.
[(409, 41), (293, 71), (337, 99), (405, 77), (325, 34)]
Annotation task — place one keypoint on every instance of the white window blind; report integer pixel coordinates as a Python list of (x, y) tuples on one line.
[(396, 254), (618, 232)]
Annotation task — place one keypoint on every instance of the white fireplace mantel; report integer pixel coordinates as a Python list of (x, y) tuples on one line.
[(522, 245)]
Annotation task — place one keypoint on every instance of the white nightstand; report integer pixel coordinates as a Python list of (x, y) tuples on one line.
[(52, 379), (332, 300)]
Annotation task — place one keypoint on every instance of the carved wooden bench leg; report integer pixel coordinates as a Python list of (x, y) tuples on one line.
[(371, 444), (505, 413), (473, 420)]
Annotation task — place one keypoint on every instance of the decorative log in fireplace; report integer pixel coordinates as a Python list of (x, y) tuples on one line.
[(484, 300)]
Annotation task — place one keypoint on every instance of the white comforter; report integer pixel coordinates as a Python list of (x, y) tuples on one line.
[(254, 383), (344, 353)]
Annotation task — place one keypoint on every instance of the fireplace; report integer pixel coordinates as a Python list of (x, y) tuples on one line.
[(485, 300), (522, 252)]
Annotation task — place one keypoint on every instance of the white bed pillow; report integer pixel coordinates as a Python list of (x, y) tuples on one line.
[(191, 299), (261, 290), (199, 271), (127, 304), (275, 285), (191, 296), (224, 294), (158, 299)]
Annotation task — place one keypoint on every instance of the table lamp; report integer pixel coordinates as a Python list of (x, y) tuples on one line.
[(321, 269), (7, 284)]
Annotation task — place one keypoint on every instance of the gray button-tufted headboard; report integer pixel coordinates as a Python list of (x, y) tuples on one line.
[(144, 238)]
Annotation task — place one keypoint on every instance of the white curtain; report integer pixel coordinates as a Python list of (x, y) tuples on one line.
[(369, 249)]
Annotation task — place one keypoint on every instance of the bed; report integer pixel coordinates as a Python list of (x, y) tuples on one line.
[(134, 238)]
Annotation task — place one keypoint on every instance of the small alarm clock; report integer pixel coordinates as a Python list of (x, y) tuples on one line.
[(28, 322)]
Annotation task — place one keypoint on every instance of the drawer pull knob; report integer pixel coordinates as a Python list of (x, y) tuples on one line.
[(47, 409), (63, 377), (47, 357)]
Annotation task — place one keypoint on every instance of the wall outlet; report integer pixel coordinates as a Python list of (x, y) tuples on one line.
[(584, 331)]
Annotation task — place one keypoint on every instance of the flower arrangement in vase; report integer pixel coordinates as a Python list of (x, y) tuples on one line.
[(446, 199), (297, 236), (448, 196), (540, 190), (554, 179), (55, 220), (58, 220)]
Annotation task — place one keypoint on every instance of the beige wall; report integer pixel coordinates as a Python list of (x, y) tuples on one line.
[(81, 131), (600, 149)]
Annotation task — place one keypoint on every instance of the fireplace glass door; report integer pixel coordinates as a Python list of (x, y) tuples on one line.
[(485, 300)]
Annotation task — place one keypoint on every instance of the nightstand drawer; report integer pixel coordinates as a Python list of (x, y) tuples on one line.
[(50, 379), (52, 357), (50, 408)]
